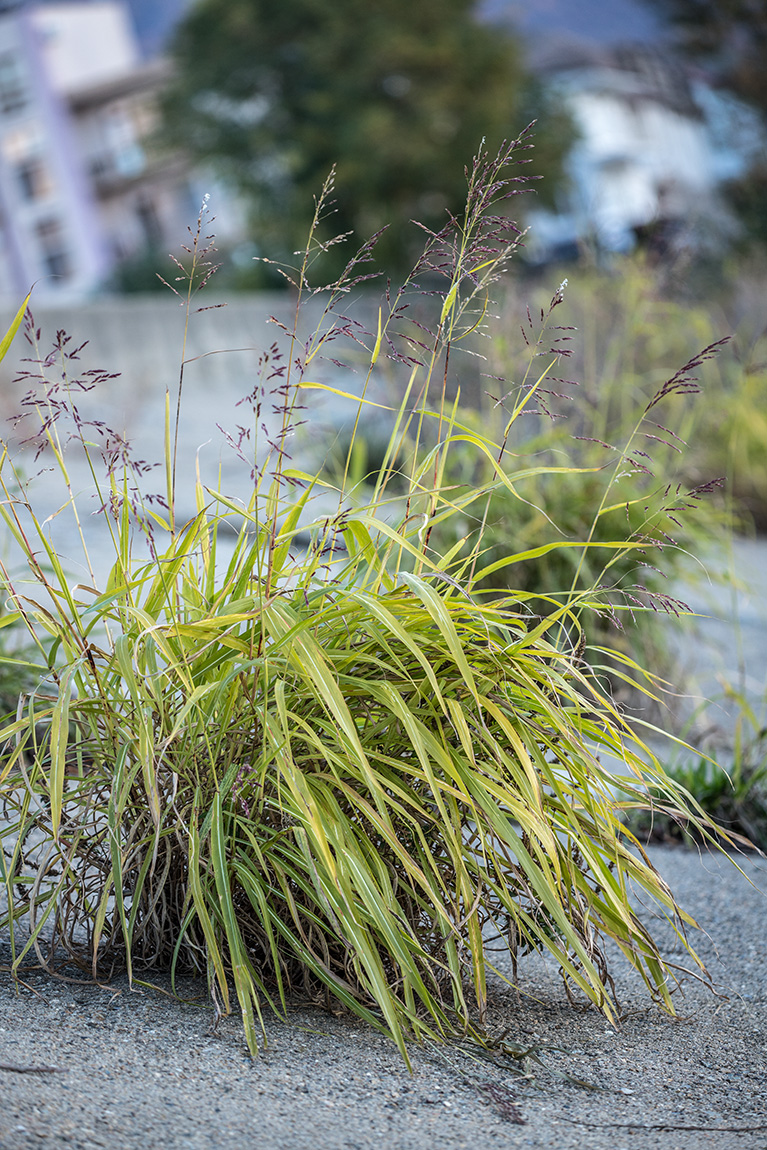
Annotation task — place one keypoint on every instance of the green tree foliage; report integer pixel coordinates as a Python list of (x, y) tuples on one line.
[(395, 94)]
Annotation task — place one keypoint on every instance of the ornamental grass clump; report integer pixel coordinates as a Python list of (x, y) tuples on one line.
[(286, 743)]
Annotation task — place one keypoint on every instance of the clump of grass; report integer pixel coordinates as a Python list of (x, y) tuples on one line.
[(331, 767)]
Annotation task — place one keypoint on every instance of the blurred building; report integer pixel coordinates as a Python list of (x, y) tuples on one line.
[(655, 146), (82, 186)]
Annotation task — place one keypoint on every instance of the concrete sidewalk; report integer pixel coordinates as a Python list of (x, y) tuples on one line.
[(140, 1070)]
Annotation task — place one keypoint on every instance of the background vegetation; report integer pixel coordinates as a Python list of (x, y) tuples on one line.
[(393, 95)]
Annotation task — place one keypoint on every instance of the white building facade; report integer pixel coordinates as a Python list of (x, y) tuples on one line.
[(654, 148), (82, 187), (47, 211)]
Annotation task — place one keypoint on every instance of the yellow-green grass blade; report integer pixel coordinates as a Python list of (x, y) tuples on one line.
[(200, 903), (59, 745), (115, 814), (8, 338), (325, 387), (545, 887), (377, 607), (252, 883), (246, 991), (437, 608), (307, 655)]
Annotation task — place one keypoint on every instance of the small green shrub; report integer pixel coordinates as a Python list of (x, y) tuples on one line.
[(640, 522), (731, 792), (733, 431), (621, 340), (139, 273), (633, 327), (333, 766)]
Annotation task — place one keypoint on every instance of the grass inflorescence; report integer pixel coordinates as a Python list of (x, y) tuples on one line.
[(288, 742)]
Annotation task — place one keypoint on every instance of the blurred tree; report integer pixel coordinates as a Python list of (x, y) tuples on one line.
[(728, 35), (397, 93), (748, 196)]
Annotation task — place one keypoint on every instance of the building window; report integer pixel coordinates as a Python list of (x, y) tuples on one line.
[(118, 151), (13, 93), (34, 179), (53, 250), (24, 149), (149, 221)]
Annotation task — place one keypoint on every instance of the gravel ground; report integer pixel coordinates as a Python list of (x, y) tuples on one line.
[(140, 1070)]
